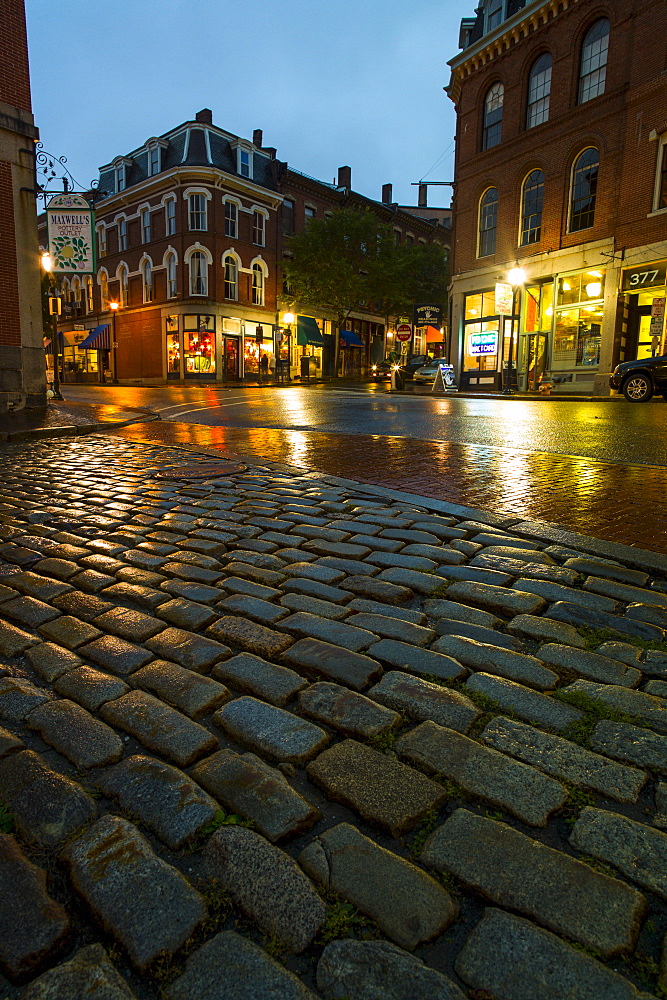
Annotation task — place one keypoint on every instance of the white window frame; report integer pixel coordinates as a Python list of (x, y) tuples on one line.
[(145, 222), (89, 294), (192, 278), (244, 163), (236, 205), (120, 175), (601, 81), (661, 164), (259, 231), (154, 160), (146, 271), (187, 195), (102, 239), (103, 282), (259, 266), (170, 265), (234, 257), (169, 218), (121, 222)]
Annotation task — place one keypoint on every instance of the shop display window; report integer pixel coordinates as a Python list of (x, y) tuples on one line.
[(199, 344), (259, 357), (584, 286), (481, 345), (577, 338), (539, 308), (173, 353)]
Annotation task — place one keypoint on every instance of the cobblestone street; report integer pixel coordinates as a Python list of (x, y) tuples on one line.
[(268, 736), (617, 502)]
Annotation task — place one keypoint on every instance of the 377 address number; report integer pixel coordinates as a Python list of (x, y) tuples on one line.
[(643, 278)]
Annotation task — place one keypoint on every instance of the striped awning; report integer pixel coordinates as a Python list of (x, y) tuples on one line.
[(99, 339)]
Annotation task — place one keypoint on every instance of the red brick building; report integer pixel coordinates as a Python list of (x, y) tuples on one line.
[(561, 171), (192, 227), (22, 369)]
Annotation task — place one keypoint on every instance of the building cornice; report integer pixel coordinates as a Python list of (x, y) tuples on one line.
[(177, 176)]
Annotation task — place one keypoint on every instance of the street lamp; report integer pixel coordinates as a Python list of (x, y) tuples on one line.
[(54, 311), (517, 279), (114, 359)]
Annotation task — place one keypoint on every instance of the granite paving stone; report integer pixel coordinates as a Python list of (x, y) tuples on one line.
[(368, 970), (500, 599), (495, 660), (18, 697), (408, 905), (636, 850), (14, 640), (28, 612), (332, 662), (188, 649), (360, 604), (266, 884), (81, 604), (626, 653), (312, 588), (411, 536), (606, 568), (450, 610), (185, 571), (159, 728), (245, 784), (398, 561), (646, 613), (9, 743), (139, 577), (102, 564), (422, 700), (62, 569), (557, 592), (50, 660), (437, 553), (47, 807), (260, 560), (292, 554), (476, 574), (590, 665), (352, 567), (329, 534), (269, 730), (314, 606), (542, 630), (646, 706), (198, 593), (249, 636), (521, 790), (563, 759), (381, 789), (252, 607), (186, 614), (511, 959), (68, 631), (238, 585), (33, 926), (553, 888), (623, 592), (392, 628), (144, 598), (479, 633), (510, 551), (233, 967), (416, 660), (90, 687), (88, 974), (116, 655), (254, 675), (135, 626), (632, 744), (76, 734), (377, 589), (531, 706), (377, 544), (341, 634), (351, 713), (164, 799), (265, 577), (144, 903), (314, 571), (184, 689), (617, 624)]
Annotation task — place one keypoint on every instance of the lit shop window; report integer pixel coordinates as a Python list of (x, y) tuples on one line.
[(199, 344), (578, 328), (481, 332)]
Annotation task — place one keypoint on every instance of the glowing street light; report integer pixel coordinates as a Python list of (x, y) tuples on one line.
[(114, 308)]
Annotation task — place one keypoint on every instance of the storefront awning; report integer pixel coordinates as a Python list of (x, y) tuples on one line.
[(434, 335), (308, 332), (350, 338), (98, 339)]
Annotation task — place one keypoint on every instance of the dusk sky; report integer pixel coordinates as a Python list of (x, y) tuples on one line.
[(356, 83)]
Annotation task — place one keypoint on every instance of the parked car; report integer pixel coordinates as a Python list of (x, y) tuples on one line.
[(381, 371), (414, 362), (640, 380), (428, 372)]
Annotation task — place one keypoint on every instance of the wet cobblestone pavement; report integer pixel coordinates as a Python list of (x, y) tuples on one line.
[(266, 736), (616, 502)]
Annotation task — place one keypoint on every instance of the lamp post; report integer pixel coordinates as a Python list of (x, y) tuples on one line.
[(288, 319), (517, 279), (54, 311), (114, 359)]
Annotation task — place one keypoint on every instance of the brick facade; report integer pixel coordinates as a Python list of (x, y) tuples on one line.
[(625, 124)]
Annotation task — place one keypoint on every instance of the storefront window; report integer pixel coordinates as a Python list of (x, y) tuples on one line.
[(481, 345), (173, 353), (199, 345), (258, 349), (581, 287), (539, 301), (579, 310), (480, 304)]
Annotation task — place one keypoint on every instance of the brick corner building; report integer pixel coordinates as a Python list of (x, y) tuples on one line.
[(22, 369), (561, 171)]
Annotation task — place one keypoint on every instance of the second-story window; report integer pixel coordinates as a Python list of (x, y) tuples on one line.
[(231, 219), (539, 91), (231, 278), (584, 190), (172, 279), (288, 216), (593, 71), (122, 234), (102, 240), (488, 222), (124, 284), (104, 290), (198, 211), (145, 225), (198, 274), (170, 208), (492, 131), (257, 285), (147, 281), (531, 208), (258, 225)]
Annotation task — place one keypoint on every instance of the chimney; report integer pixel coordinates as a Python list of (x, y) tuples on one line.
[(205, 116), (345, 177), (386, 194), (423, 196), (257, 138)]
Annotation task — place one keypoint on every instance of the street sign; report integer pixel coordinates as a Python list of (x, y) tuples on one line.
[(644, 276), (69, 220), (403, 331), (504, 298)]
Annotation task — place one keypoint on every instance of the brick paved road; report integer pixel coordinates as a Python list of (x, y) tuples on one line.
[(621, 503), (266, 736)]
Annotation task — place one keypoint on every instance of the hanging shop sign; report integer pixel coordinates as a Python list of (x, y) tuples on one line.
[(644, 276), (484, 343), (504, 298), (428, 315), (70, 226), (403, 331)]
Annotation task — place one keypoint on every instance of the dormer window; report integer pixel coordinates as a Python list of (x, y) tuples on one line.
[(120, 177), (494, 14), (154, 160), (245, 163)]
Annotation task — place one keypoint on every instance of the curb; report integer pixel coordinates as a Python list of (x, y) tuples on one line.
[(69, 430)]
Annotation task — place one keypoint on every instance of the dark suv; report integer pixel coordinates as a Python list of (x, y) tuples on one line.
[(639, 380)]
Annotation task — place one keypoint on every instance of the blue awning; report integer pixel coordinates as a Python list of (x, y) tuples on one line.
[(98, 339), (308, 332), (350, 338)]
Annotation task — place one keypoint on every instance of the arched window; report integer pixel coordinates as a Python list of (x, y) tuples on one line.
[(531, 208), (124, 279), (76, 291), (257, 285), (492, 130), (231, 277), (147, 280), (539, 90), (89, 294), (584, 190), (104, 289), (172, 280), (488, 222), (198, 273), (593, 70)]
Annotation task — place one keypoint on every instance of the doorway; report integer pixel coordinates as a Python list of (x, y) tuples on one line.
[(230, 354), (534, 359)]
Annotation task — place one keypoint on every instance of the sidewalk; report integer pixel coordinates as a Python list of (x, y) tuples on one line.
[(61, 417), (280, 734)]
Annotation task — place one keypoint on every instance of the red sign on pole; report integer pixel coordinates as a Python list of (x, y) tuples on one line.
[(403, 331)]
